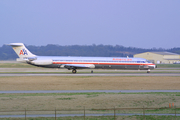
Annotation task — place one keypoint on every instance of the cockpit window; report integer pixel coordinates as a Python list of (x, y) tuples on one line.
[(147, 61)]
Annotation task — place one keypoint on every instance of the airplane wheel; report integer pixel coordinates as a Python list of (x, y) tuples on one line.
[(148, 71), (74, 71)]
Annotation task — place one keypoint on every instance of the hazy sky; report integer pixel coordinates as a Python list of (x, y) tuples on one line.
[(135, 23)]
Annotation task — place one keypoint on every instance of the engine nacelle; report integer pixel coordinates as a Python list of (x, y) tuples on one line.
[(42, 62), (21, 60)]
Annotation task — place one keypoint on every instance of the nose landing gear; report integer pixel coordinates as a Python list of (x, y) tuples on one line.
[(148, 71)]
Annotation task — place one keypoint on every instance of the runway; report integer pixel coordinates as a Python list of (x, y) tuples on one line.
[(89, 74), (86, 72)]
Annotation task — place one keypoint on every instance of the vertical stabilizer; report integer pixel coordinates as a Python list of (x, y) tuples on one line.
[(21, 50)]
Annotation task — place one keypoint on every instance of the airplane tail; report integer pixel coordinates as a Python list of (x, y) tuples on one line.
[(21, 50)]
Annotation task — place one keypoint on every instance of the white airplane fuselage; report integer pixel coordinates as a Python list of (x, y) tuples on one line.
[(73, 63)]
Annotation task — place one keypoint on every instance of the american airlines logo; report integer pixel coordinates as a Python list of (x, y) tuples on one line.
[(23, 52)]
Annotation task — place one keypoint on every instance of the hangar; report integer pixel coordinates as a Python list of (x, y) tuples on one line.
[(160, 57)]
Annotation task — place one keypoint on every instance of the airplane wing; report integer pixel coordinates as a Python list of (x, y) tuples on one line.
[(78, 66)]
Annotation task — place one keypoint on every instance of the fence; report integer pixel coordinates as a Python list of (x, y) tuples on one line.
[(113, 112)]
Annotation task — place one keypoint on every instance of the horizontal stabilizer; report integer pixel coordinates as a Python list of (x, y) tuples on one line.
[(15, 44)]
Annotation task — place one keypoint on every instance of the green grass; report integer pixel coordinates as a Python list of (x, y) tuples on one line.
[(147, 110), (63, 118), (49, 94), (168, 65), (163, 110), (15, 65), (152, 117), (65, 98), (134, 117), (93, 94)]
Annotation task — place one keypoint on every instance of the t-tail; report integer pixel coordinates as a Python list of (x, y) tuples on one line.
[(21, 51)]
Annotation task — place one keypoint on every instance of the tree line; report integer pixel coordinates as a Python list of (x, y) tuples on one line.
[(7, 53)]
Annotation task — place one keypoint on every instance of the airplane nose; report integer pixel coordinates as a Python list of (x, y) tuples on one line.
[(152, 66), (155, 66)]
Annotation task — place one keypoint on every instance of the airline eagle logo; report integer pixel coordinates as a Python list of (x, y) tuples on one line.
[(23, 52)]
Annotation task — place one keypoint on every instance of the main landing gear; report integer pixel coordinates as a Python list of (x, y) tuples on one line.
[(74, 71), (148, 71)]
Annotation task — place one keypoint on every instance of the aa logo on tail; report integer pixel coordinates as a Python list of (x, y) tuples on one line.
[(23, 52)]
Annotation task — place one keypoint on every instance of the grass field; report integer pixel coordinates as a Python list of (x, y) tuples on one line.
[(67, 101), (90, 100), (89, 83), (104, 118), (74, 103), (15, 65), (168, 65)]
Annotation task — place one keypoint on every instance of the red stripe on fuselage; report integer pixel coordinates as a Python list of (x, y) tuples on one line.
[(102, 63)]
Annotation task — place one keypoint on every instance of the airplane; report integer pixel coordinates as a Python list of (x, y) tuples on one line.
[(73, 63)]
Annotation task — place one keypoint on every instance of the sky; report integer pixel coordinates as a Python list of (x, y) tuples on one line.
[(130, 23)]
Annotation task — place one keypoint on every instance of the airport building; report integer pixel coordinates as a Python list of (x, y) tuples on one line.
[(160, 57)]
